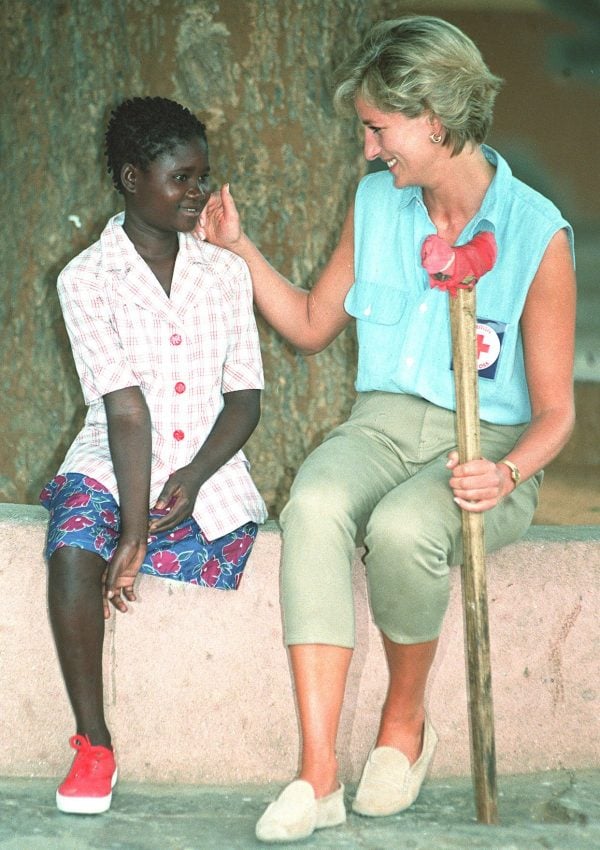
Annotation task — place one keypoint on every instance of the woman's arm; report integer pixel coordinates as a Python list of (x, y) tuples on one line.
[(232, 428), (548, 330), (309, 320), (130, 440)]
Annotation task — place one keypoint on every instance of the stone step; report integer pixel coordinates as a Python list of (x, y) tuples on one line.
[(198, 687)]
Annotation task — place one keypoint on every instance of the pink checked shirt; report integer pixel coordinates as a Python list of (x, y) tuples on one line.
[(183, 351)]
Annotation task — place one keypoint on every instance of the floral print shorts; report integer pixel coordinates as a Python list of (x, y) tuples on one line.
[(84, 514)]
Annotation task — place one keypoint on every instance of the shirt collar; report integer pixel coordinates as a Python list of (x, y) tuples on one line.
[(409, 194), (116, 247), (491, 210), (494, 200)]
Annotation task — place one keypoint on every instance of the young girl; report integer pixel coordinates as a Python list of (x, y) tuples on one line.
[(166, 347)]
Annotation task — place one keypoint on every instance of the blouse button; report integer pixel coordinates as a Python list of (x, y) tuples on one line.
[(175, 339), (179, 387), (178, 435)]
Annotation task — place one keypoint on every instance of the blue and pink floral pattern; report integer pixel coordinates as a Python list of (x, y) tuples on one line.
[(84, 514)]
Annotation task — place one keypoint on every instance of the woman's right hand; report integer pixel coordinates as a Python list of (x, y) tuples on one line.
[(219, 222)]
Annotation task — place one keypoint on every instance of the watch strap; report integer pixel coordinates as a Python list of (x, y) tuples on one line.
[(514, 470)]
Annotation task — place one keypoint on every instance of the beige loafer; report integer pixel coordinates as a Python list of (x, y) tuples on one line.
[(296, 813), (389, 783)]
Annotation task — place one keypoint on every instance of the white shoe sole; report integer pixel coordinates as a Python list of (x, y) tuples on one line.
[(86, 805), (391, 785), (296, 814)]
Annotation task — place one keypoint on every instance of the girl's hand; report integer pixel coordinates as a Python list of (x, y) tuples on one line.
[(121, 573), (177, 500), (219, 221), (478, 485)]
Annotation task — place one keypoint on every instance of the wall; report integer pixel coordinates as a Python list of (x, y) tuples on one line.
[(223, 711)]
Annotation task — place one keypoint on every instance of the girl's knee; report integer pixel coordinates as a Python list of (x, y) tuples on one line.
[(70, 568)]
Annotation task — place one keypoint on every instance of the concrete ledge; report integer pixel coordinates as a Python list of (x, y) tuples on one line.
[(197, 681)]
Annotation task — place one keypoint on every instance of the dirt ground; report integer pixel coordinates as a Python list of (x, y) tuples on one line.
[(570, 495)]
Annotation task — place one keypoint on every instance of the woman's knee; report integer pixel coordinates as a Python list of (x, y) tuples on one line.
[(407, 563), (314, 502), (398, 535)]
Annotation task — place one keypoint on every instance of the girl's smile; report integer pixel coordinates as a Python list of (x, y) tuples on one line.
[(171, 192)]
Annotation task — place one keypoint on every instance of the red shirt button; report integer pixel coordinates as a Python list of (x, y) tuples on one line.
[(179, 387), (175, 339), (178, 435)]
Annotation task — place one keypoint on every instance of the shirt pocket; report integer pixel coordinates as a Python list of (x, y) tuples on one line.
[(375, 303)]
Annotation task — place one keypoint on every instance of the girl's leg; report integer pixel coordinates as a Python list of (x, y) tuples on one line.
[(77, 619), (319, 673)]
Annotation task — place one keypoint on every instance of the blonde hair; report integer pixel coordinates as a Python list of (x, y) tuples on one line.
[(420, 64)]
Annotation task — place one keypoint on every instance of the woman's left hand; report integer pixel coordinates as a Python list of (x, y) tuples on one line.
[(478, 485), (219, 222)]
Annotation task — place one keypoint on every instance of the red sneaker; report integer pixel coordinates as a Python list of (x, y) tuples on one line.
[(87, 790)]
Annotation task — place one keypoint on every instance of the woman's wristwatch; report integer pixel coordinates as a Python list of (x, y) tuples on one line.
[(514, 470)]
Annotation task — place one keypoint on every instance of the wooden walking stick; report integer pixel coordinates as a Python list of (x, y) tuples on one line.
[(458, 270)]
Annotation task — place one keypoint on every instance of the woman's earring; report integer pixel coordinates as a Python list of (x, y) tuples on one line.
[(436, 138)]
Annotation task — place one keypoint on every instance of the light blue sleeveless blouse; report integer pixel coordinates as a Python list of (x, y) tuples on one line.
[(403, 324)]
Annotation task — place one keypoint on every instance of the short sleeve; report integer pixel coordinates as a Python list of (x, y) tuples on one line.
[(97, 349)]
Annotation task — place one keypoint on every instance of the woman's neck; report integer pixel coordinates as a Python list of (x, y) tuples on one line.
[(454, 199)]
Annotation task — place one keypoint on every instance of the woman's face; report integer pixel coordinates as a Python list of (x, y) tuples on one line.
[(172, 192), (402, 143)]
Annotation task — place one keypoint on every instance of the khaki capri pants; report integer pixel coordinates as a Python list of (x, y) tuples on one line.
[(380, 480)]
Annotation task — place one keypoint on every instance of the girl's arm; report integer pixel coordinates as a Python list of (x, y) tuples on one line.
[(309, 320), (130, 440), (548, 329), (232, 428)]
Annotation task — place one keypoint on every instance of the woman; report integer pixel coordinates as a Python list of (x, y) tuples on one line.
[(390, 477)]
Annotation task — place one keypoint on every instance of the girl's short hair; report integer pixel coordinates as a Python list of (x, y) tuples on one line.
[(143, 128), (420, 64)]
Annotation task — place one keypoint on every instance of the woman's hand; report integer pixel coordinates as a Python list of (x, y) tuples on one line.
[(121, 573), (478, 485), (177, 500), (219, 221)]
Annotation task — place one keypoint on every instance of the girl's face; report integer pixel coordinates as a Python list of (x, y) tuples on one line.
[(172, 192), (402, 143)]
